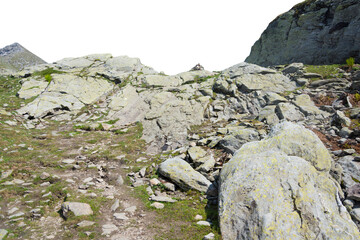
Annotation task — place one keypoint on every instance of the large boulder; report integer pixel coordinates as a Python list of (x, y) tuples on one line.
[(294, 140), (312, 32), (268, 194), (181, 173)]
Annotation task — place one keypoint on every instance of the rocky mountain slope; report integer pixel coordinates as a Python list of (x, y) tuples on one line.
[(15, 57), (312, 32), (103, 147)]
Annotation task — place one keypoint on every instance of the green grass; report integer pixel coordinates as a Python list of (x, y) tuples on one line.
[(178, 217), (46, 72), (9, 86), (326, 71), (198, 79)]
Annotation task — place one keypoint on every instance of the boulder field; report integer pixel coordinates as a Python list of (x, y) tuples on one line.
[(275, 149)]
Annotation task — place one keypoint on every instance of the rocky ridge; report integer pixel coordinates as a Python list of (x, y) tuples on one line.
[(321, 31), (199, 130)]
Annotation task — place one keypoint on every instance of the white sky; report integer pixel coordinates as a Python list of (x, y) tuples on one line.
[(168, 35)]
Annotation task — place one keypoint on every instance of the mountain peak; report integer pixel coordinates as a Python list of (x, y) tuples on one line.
[(16, 57)]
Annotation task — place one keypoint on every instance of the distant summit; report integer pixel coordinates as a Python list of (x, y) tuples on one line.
[(15, 57)]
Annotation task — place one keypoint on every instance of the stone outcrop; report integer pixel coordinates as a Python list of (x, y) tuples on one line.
[(312, 32), (280, 188)]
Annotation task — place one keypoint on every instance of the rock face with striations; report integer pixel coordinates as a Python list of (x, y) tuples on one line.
[(281, 189), (16, 57), (321, 31)]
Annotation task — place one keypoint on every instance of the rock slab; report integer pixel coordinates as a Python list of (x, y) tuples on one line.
[(180, 172), (77, 208)]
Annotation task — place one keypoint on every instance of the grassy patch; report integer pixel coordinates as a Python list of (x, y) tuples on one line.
[(326, 71), (198, 79), (176, 220), (9, 86), (46, 72)]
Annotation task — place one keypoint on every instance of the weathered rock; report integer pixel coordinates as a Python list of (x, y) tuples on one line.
[(351, 171), (107, 229), (268, 114), (277, 83), (6, 174), (120, 216), (161, 81), (246, 68), (196, 153), (322, 32), (294, 140), (354, 192), (51, 103), (204, 223), (273, 98), (162, 199), (339, 119), (288, 112), (78, 209), (209, 236), (230, 144), (157, 205), (208, 164), (288, 187), (183, 175), (85, 223), (293, 68), (86, 89), (355, 213), (80, 62), (115, 205), (3, 233), (32, 88), (307, 106)]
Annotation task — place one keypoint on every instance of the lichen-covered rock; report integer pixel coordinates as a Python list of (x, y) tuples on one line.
[(294, 140), (312, 32), (246, 68), (273, 98), (277, 83), (32, 88), (307, 106), (268, 194), (66, 92), (195, 153), (78, 209), (87, 90), (268, 114), (351, 171), (288, 111), (161, 80), (181, 173), (51, 103)]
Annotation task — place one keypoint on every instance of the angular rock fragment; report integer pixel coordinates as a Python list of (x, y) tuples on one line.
[(181, 173)]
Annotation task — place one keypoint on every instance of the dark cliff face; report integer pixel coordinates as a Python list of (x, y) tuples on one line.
[(16, 57), (312, 32)]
